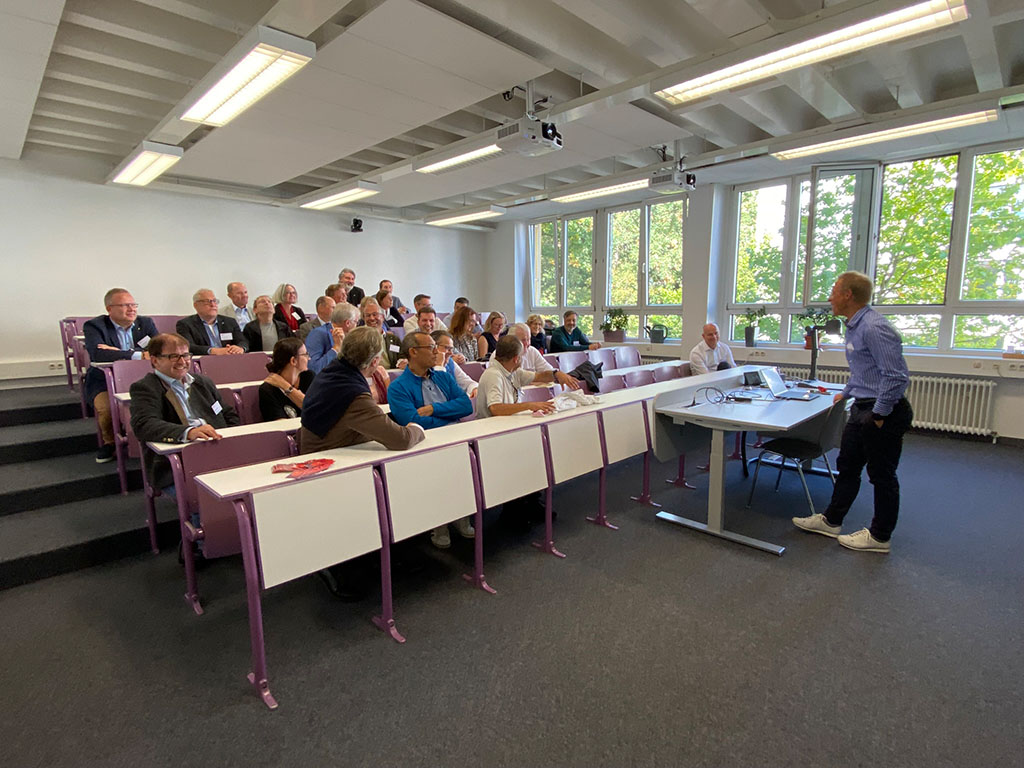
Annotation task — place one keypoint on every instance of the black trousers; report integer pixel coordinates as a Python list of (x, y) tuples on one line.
[(865, 444)]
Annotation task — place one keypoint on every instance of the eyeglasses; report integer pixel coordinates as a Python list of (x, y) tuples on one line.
[(125, 306), (447, 350), (208, 301), (174, 358), (432, 347), (303, 354)]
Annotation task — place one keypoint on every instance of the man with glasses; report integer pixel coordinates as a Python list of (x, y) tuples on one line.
[(445, 360), (373, 317), (429, 397), (209, 333), (171, 405), (118, 335)]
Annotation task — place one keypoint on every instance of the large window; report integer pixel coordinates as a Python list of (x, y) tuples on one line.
[(629, 258), (943, 238)]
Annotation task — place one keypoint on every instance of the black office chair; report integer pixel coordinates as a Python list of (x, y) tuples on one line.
[(801, 450)]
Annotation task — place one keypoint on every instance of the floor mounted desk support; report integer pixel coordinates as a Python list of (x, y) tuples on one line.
[(386, 621), (548, 545), (258, 674), (645, 493), (477, 577)]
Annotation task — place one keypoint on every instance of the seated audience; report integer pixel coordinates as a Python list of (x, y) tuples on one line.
[(710, 354), (171, 405), (121, 334), (538, 339), (488, 340), (347, 277), (264, 332), (534, 361), (338, 409), (373, 317), (324, 343), (461, 324), (500, 384), (283, 391), (429, 397), (387, 305), (324, 309), (210, 334), (569, 338), (337, 291), (379, 382), (387, 287), (446, 359), (419, 301), (426, 319), (462, 301), (284, 307), (236, 305)]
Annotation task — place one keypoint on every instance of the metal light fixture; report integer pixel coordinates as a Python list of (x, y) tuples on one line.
[(357, 191), (463, 215), (145, 163)]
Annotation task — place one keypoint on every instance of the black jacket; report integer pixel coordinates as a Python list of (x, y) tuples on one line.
[(157, 418), (194, 331), (254, 338)]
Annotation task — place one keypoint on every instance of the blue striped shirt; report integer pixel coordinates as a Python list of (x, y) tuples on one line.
[(874, 352)]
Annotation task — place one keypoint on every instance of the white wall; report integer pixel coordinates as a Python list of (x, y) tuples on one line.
[(67, 239)]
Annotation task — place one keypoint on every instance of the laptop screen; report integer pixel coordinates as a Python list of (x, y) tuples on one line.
[(773, 381)]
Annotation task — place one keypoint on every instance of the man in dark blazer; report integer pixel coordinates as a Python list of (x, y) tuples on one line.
[(118, 335), (355, 293), (209, 333), (170, 405)]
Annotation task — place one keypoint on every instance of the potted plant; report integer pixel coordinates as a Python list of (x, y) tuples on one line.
[(811, 317), (614, 325), (750, 332)]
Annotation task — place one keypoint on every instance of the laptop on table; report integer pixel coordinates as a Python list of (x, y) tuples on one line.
[(771, 379)]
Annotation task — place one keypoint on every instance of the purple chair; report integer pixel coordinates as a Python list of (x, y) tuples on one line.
[(120, 376), (667, 372), (612, 383), (626, 357), (604, 356), (399, 331), (536, 394), (166, 323), (69, 328), (227, 369), (218, 528), (639, 378), (552, 361), (248, 404), (473, 369), (394, 373), (567, 361)]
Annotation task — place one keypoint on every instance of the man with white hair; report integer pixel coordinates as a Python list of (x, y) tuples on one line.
[(533, 360), (373, 317), (710, 354), (347, 277), (501, 384), (209, 333), (324, 343)]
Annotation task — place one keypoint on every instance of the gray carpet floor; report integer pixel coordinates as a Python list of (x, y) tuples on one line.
[(649, 646)]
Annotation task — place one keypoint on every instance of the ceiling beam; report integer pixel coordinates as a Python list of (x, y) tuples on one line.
[(234, 16), (73, 70), (103, 118), (58, 90), (106, 48), (981, 47)]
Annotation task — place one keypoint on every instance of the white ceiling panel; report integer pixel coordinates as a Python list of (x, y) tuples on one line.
[(355, 94)]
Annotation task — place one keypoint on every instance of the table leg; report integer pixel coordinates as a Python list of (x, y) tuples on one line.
[(645, 493), (386, 621), (477, 577), (258, 676), (600, 518)]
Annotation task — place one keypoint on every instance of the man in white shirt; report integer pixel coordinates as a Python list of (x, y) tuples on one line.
[(533, 360), (412, 324), (237, 304), (710, 354), (501, 383)]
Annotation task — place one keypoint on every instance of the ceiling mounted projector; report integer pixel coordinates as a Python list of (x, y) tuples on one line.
[(528, 137), (670, 182)]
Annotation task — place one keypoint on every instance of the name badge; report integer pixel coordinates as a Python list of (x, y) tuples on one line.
[(395, 348), (849, 346), (227, 337), (143, 342), (296, 315), (217, 407)]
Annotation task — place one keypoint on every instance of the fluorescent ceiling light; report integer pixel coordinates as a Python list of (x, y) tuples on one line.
[(931, 126), (611, 189), (460, 159), (445, 219), (146, 162), (273, 57), (913, 20), (358, 191)]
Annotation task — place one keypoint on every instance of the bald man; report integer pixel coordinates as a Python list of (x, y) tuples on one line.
[(710, 354)]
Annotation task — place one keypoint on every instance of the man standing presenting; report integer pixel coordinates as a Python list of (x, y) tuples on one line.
[(569, 338), (209, 333), (238, 298), (710, 354), (878, 419)]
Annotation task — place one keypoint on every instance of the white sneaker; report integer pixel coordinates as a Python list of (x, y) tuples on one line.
[(817, 524), (464, 527), (863, 541), (440, 537)]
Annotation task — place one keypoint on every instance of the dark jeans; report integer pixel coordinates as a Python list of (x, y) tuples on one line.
[(865, 444)]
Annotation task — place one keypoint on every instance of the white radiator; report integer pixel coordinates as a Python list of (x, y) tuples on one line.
[(939, 402)]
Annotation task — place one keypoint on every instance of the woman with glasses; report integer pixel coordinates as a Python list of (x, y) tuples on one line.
[(284, 307), (264, 332), (488, 340), (538, 339), (283, 391)]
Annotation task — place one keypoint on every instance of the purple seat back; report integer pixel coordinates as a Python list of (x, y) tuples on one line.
[(612, 383), (536, 394), (249, 404), (552, 361), (639, 378), (473, 369), (218, 517), (127, 372), (667, 372), (226, 369), (605, 356), (684, 369), (399, 331), (568, 361), (165, 323), (626, 357), (394, 373)]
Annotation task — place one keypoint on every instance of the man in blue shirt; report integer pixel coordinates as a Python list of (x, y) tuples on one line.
[(324, 343), (431, 398), (878, 419), (569, 337)]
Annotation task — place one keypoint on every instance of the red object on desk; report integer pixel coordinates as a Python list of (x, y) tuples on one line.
[(303, 468)]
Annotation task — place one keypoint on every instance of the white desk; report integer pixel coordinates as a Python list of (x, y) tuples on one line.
[(774, 416)]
